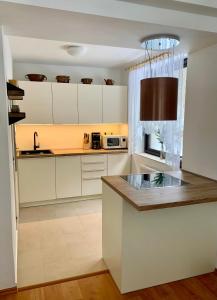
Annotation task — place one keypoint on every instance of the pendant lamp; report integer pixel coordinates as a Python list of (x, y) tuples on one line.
[(159, 95), (158, 100)]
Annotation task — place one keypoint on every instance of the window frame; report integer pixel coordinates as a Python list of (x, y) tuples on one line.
[(147, 147)]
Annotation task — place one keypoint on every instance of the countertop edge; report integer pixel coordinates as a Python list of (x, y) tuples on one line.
[(73, 153), (148, 207)]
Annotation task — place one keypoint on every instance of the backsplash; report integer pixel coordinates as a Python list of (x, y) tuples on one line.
[(62, 136)]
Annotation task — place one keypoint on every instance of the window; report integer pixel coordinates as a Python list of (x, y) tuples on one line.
[(152, 144)]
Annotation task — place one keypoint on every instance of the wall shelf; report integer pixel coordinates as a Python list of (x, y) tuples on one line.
[(14, 92), (15, 117)]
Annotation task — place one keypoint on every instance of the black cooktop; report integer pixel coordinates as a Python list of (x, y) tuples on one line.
[(153, 180)]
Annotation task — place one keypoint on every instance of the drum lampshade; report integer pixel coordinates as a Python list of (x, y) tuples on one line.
[(158, 99)]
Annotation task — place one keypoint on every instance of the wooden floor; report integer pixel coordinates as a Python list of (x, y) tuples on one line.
[(102, 287)]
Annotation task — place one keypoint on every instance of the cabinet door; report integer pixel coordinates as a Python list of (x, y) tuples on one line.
[(37, 102), (115, 104), (119, 164), (91, 186), (65, 103), (68, 176), (36, 178), (90, 103)]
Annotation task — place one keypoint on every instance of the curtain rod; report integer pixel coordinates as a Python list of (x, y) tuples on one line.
[(142, 63)]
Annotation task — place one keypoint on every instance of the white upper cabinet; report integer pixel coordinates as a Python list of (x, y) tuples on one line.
[(65, 103), (90, 103), (115, 104), (37, 102)]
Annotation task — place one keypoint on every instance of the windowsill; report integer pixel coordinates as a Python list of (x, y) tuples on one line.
[(152, 157)]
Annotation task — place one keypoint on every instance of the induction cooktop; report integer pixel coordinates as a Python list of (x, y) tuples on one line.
[(153, 180)]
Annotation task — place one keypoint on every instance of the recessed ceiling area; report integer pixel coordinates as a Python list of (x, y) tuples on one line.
[(55, 52)]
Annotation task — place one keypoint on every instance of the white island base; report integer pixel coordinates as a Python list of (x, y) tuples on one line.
[(147, 248)]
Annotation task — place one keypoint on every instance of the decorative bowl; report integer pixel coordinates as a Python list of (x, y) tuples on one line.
[(86, 80), (36, 77)]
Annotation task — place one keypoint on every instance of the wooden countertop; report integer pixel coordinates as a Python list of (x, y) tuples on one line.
[(65, 152), (199, 190)]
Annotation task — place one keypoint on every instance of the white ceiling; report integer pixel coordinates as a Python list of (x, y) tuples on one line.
[(163, 12), (207, 8), (53, 52)]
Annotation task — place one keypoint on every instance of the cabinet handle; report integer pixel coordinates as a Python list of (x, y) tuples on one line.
[(94, 170), (93, 162), (93, 178)]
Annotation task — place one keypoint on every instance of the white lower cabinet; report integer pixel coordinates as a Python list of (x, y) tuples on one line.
[(68, 176), (49, 178), (119, 164), (36, 179), (93, 168)]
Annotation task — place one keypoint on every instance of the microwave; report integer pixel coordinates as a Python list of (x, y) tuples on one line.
[(114, 142)]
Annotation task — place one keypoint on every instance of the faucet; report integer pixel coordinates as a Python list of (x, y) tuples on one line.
[(38, 145)]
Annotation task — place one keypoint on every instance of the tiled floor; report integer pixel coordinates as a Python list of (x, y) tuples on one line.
[(59, 241)]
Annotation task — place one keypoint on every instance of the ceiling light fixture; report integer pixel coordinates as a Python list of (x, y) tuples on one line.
[(160, 42), (159, 95), (76, 50)]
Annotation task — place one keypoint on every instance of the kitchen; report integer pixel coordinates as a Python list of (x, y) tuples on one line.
[(60, 167), (88, 151)]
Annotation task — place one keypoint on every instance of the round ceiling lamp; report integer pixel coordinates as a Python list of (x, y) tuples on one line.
[(160, 42), (75, 50)]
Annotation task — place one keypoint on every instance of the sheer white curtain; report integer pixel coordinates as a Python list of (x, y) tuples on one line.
[(170, 131)]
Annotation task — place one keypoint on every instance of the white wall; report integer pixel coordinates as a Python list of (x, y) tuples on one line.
[(200, 132), (75, 72), (7, 203)]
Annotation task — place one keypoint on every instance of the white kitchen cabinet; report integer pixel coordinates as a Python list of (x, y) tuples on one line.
[(36, 178), (119, 164), (93, 168), (37, 102), (90, 103), (65, 103), (68, 176), (115, 104)]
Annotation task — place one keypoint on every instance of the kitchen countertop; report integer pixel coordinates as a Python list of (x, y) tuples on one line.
[(79, 151), (198, 190)]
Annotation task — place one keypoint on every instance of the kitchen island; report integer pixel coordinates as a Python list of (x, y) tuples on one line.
[(158, 228)]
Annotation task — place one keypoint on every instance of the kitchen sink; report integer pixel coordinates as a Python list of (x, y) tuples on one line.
[(37, 152)]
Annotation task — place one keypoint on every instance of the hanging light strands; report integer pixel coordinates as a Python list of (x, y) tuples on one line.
[(160, 42)]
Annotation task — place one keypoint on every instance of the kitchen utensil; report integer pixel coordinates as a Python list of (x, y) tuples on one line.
[(36, 77), (109, 81), (13, 81), (86, 141), (63, 78), (86, 80), (15, 108)]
